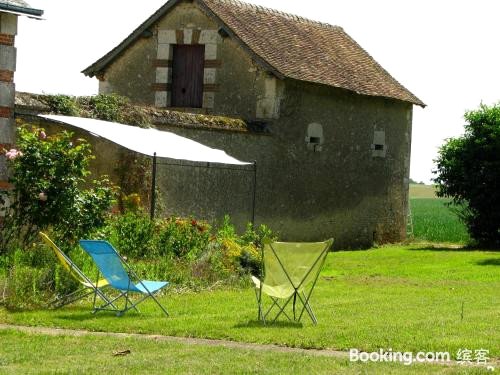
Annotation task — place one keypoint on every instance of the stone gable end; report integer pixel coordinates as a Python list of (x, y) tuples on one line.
[(232, 82)]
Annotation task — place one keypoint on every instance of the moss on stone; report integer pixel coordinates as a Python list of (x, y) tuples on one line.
[(119, 109)]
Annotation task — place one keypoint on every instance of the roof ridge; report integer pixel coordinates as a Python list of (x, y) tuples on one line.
[(280, 13)]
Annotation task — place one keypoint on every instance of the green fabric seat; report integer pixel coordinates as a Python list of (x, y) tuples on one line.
[(289, 273)]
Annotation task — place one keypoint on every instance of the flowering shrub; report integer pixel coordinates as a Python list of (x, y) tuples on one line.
[(13, 154), (62, 104), (182, 238), (231, 255), (215, 252), (48, 174), (189, 253)]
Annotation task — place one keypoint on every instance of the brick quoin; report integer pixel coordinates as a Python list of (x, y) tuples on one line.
[(5, 147), (6, 39), (5, 112), (5, 185), (6, 76)]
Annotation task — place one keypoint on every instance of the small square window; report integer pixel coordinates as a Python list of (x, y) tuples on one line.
[(378, 147), (316, 140), (314, 137)]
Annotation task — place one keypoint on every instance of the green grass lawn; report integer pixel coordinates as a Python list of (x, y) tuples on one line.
[(421, 297), (404, 298), (38, 353)]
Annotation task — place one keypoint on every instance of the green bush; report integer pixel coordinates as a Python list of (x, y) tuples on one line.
[(48, 174), (188, 253), (107, 107), (133, 233), (182, 238), (232, 254), (62, 104), (34, 277), (468, 172)]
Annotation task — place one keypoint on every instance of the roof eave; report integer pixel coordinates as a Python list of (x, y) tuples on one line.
[(97, 67), (30, 12), (413, 101)]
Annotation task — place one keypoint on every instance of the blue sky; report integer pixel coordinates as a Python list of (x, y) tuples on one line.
[(446, 52)]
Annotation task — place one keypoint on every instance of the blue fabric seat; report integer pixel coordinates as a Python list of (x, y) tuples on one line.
[(121, 277)]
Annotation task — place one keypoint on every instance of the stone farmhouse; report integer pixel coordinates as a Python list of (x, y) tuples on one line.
[(329, 128)]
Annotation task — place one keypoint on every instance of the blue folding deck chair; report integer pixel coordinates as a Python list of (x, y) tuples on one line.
[(120, 277)]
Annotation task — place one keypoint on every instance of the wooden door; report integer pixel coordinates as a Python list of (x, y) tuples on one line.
[(187, 75)]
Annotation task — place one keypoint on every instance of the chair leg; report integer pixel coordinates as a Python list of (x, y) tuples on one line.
[(307, 307), (275, 303), (282, 309), (103, 297), (159, 304), (109, 302), (260, 315), (59, 302), (310, 310), (133, 305)]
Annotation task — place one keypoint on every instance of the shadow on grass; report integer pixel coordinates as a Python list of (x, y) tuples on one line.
[(443, 247), (88, 315), (259, 324), (489, 262), (450, 247), (81, 313), (80, 316)]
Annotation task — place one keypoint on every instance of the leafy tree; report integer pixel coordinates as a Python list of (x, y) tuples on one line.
[(49, 175), (468, 172)]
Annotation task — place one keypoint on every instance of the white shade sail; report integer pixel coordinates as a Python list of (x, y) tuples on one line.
[(149, 141)]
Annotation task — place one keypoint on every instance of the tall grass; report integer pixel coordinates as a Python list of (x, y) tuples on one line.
[(434, 221)]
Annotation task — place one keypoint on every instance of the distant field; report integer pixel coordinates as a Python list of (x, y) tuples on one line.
[(434, 221), (422, 191)]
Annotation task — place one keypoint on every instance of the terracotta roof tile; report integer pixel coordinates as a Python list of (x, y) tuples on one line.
[(290, 46), (307, 50)]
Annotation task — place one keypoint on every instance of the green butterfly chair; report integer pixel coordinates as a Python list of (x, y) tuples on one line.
[(290, 271)]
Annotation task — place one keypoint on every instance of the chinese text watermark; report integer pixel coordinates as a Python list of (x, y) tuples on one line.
[(463, 357)]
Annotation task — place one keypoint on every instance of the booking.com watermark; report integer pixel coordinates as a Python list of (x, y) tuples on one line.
[(463, 357)]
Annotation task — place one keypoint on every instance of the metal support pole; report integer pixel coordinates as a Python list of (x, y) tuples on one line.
[(254, 192), (153, 189)]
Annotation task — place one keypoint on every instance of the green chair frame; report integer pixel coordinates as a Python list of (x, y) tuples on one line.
[(301, 288)]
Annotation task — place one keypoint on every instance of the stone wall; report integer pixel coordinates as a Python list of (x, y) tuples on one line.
[(8, 31), (344, 189), (351, 185)]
